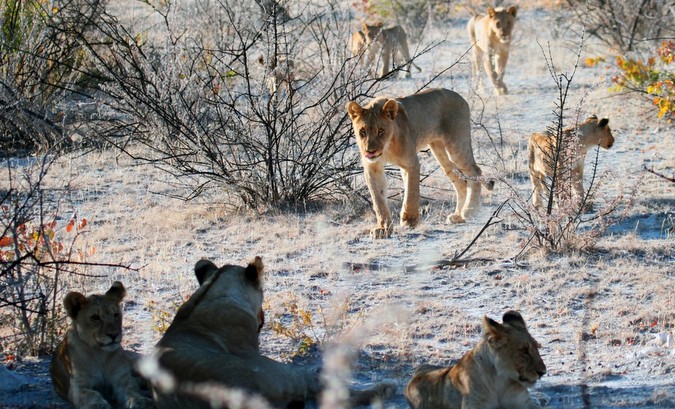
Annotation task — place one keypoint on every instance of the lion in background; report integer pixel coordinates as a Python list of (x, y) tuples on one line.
[(393, 130), (214, 340), (542, 147), (491, 38), (391, 42), (495, 374), (90, 369)]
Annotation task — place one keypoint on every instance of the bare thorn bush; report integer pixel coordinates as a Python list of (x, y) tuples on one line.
[(251, 107)]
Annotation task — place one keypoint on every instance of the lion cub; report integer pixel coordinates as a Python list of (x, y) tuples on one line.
[(494, 374), (541, 147), (90, 369), (389, 41), (392, 130), (491, 35)]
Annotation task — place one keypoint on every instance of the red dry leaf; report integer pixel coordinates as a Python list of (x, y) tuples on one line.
[(70, 225), (82, 225), (6, 241)]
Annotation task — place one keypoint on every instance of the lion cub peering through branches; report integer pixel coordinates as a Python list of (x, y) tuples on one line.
[(392, 130), (491, 39), (213, 342), (495, 374), (390, 42), (542, 148), (90, 369)]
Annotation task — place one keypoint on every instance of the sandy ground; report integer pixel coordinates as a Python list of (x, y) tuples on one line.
[(605, 317)]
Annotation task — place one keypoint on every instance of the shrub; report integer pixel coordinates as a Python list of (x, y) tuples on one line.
[(653, 78), (624, 24), (37, 250), (203, 107), (42, 65)]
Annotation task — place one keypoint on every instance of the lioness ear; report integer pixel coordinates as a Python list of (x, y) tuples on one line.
[(493, 332), (513, 10), (254, 270), (514, 318), (354, 110), (364, 27), (390, 109), (204, 269), (73, 303), (603, 122), (592, 117), (491, 12), (117, 292)]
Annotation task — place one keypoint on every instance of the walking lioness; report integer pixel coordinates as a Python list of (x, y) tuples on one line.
[(390, 42), (392, 130), (495, 374), (577, 141), (491, 39)]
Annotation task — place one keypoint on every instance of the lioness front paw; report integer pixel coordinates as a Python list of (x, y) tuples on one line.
[(501, 90), (409, 221), (381, 232), (456, 219)]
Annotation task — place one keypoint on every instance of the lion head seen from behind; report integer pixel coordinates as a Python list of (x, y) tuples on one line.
[(515, 351), (97, 319), (373, 125), (501, 22)]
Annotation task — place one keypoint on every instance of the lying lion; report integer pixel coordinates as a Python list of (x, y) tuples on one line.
[(213, 341), (542, 147), (495, 374), (392, 130), (90, 369), (491, 39)]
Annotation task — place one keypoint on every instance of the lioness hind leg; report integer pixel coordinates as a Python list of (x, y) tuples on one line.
[(452, 172)]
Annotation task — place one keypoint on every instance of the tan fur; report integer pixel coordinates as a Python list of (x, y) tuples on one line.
[(494, 374), (394, 130), (541, 147), (90, 369), (491, 36), (389, 42), (214, 340), (279, 73), (357, 43)]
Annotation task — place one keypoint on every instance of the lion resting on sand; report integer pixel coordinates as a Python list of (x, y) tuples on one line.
[(495, 374), (389, 41), (392, 130), (491, 35), (90, 369), (213, 341), (542, 147)]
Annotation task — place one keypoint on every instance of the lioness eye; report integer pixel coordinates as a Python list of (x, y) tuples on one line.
[(96, 317), (380, 131), (362, 132), (499, 25)]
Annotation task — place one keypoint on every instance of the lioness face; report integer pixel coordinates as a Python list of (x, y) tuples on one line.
[(373, 127), (97, 319), (501, 23), (600, 131), (371, 31), (514, 349)]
